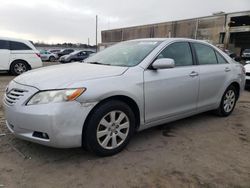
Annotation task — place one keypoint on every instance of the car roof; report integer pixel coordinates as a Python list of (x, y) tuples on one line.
[(168, 40), (27, 42), (13, 39)]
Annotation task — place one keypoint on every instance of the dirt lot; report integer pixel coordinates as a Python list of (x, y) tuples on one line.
[(201, 151)]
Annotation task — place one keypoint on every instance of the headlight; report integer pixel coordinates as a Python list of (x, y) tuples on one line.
[(55, 96)]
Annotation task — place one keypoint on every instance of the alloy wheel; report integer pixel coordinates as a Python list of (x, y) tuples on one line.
[(20, 68), (113, 129), (229, 101)]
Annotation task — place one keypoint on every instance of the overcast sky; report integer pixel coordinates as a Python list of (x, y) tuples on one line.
[(55, 21)]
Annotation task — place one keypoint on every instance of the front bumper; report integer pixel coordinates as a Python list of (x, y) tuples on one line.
[(62, 122)]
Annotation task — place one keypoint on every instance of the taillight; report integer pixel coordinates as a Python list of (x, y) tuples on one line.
[(38, 55)]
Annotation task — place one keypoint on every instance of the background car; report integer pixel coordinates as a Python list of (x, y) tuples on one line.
[(247, 67), (65, 52), (75, 56), (18, 56), (230, 53), (48, 56), (246, 54)]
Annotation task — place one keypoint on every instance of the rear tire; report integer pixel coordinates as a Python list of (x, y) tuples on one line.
[(18, 67), (109, 128), (228, 102)]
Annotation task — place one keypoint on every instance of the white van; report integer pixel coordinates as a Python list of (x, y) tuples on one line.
[(18, 56)]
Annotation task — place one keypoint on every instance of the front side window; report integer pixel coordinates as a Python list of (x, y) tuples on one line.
[(180, 52), (82, 54), (205, 54), (18, 46), (4, 45)]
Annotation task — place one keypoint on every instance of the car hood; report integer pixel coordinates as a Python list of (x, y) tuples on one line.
[(63, 76)]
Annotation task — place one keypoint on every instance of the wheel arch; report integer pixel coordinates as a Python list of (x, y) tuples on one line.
[(237, 87), (20, 60), (127, 100)]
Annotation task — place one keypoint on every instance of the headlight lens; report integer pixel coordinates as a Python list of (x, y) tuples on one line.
[(54, 96)]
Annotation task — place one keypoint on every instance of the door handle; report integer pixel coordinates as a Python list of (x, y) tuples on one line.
[(227, 69), (193, 74)]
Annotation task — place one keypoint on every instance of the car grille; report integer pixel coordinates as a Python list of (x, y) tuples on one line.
[(14, 95), (248, 73)]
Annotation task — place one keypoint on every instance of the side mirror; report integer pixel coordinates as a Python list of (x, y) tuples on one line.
[(163, 63)]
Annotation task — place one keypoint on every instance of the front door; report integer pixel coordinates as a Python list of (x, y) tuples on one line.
[(173, 91)]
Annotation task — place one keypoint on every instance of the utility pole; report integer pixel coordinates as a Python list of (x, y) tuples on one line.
[(96, 33), (88, 42), (196, 28)]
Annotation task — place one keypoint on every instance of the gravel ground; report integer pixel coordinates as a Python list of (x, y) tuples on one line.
[(200, 151)]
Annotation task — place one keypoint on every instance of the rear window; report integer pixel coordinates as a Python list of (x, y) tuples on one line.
[(18, 46), (4, 45)]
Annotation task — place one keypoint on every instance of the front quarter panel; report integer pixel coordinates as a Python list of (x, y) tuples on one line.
[(129, 84)]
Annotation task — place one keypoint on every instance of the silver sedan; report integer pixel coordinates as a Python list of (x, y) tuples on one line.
[(128, 87), (48, 56)]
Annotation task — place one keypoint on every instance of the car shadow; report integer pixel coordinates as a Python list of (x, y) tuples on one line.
[(4, 73)]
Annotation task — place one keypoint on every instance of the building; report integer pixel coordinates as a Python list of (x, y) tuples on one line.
[(227, 30)]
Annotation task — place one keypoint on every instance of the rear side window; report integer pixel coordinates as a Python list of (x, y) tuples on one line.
[(180, 52), (4, 45), (221, 60), (205, 54), (18, 46), (69, 51)]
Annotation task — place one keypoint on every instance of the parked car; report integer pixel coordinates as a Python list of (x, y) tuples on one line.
[(65, 52), (48, 56), (75, 56), (247, 67), (230, 53), (246, 54), (18, 56), (127, 87)]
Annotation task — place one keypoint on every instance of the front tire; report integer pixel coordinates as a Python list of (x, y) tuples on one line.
[(109, 128), (228, 102)]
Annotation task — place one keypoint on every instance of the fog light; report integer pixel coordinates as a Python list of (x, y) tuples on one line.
[(41, 135)]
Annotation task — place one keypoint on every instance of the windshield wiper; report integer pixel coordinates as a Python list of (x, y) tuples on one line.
[(97, 63)]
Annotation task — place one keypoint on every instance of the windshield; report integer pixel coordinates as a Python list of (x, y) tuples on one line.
[(126, 54), (247, 50)]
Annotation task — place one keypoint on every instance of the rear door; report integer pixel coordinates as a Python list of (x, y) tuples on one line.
[(214, 72), (4, 55), (173, 91)]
